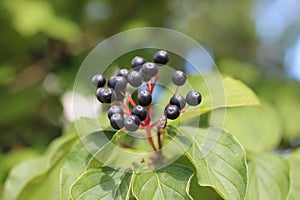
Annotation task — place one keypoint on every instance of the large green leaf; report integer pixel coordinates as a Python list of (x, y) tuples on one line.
[(102, 183), (257, 128), (219, 159), (294, 162), (31, 173), (111, 154), (77, 160), (170, 182), (202, 193), (268, 177), (233, 93)]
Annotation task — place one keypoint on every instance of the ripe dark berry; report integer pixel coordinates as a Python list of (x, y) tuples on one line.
[(118, 83), (140, 111), (135, 78), (105, 95), (117, 121), (123, 72), (137, 62), (132, 123), (161, 57), (193, 98), (112, 82), (178, 100), (172, 111), (178, 78), (149, 69), (114, 110), (144, 98), (121, 84), (98, 80)]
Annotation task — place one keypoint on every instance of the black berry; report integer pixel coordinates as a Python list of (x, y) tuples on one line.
[(161, 57), (172, 111), (105, 95), (98, 80), (137, 62), (114, 110), (193, 98), (117, 121), (140, 111), (178, 100), (123, 72), (149, 69), (112, 82), (135, 78), (144, 98), (132, 123), (118, 83), (121, 84), (178, 78)]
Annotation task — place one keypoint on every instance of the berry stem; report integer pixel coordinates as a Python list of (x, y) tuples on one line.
[(149, 88), (150, 139), (148, 120), (177, 88), (131, 101), (159, 139), (154, 83), (128, 112)]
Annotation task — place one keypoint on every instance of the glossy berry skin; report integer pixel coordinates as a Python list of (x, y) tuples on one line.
[(105, 95), (172, 111), (132, 123), (117, 121), (140, 111), (112, 82), (178, 78), (178, 100), (121, 84), (118, 83), (135, 78), (144, 98), (98, 80), (114, 110), (149, 69), (123, 72), (193, 98), (161, 57), (137, 62)]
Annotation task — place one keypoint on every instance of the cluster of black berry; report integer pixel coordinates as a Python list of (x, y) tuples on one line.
[(120, 114)]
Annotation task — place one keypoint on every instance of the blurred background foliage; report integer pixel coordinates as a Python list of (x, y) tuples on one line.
[(44, 42)]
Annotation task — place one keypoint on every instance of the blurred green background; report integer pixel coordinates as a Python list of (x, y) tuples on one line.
[(44, 42)]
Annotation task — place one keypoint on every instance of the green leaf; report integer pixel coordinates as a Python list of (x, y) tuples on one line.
[(102, 183), (170, 182), (109, 154), (77, 161), (268, 177), (220, 161), (233, 93), (14, 157), (256, 128), (202, 193), (33, 172), (294, 163)]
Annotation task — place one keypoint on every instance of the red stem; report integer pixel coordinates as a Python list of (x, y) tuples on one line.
[(150, 139), (131, 100), (125, 107), (159, 139)]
